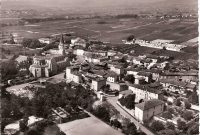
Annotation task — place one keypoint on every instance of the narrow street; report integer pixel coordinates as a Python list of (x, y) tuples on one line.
[(113, 101)]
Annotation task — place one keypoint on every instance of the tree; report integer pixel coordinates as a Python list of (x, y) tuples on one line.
[(130, 38), (142, 133), (8, 70), (23, 125), (194, 98), (171, 110), (178, 102), (157, 126), (187, 104), (187, 115), (130, 129), (116, 123), (170, 125), (167, 132), (164, 48), (181, 124), (193, 129), (32, 43), (129, 78), (167, 115), (102, 113), (33, 132), (128, 101)]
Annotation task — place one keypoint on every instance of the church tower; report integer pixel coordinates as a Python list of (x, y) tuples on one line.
[(61, 46)]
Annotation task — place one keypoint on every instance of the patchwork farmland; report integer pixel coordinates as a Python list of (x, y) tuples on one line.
[(113, 30)]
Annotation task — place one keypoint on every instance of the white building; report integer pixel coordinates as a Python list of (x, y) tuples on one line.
[(45, 40), (145, 92), (98, 83), (117, 69), (146, 110), (78, 42), (72, 74), (79, 52)]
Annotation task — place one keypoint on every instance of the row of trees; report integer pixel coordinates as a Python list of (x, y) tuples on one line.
[(169, 128), (32, 43)]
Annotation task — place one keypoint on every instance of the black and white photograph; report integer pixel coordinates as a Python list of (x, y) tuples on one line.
[(99, 67)]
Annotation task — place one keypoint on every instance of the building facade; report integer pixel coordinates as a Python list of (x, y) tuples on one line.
[(45, 66), (146, 110)]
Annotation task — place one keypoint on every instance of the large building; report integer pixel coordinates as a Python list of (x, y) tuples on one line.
[(72, 74), (146, 92), (51, 64), (98, 83), (146, 110)]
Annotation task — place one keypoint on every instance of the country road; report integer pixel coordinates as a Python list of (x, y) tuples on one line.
[(113, 101)]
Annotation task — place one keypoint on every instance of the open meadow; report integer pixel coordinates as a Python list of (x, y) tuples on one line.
[(113, 29)]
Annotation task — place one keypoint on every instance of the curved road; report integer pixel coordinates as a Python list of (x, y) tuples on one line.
[(113, 101)]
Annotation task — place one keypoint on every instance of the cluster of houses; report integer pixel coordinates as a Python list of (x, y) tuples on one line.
[(158, 43), (104, 71)]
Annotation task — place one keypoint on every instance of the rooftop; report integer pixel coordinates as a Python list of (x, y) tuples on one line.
[(183, 73), (173, 82), (143, 73), (148, 87), (146, 105), (111, 74), (21, 58)]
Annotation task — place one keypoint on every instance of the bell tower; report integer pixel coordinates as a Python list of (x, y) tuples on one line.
[(61, 46)]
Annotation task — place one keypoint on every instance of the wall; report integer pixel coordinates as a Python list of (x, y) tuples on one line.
[(141, 94), (117, 70), (116, 86), (132, 73), (97, 85), (138, 114), (152, 112)]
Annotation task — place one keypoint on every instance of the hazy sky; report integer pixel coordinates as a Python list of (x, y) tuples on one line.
[(104, 4)]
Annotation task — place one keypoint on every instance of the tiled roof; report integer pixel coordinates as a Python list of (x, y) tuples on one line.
[(154, 71), (149, 87), (190, 73), (100, 72), (133, 69), (21, 58), (173, 82), (142, 73), (111, 74), (146, 105)]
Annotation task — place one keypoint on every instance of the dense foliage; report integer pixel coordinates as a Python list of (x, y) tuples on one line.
[(157, 126), (128, 101), (32, 43), (8, 70)]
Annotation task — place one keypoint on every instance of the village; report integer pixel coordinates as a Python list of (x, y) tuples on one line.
[(156, 93)]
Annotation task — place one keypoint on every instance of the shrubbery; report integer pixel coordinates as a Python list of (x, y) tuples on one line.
[(128, 101)]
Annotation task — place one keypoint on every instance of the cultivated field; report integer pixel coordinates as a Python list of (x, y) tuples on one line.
[(112, 29)]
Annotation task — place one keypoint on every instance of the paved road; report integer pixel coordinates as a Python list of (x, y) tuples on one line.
[(113, 101)]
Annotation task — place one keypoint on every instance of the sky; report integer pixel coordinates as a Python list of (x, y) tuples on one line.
[(103, 4)]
